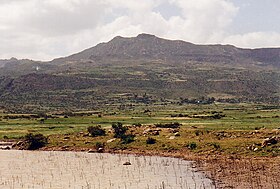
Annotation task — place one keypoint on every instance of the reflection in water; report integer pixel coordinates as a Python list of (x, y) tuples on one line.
[(61, 170)]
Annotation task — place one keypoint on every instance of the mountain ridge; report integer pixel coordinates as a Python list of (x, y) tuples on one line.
[(150, 47), (142, 69), (147, 46)]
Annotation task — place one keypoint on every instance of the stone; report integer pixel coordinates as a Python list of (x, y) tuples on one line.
[(177, 134), (127, 163), (147, 131), (111, 140), (270, 141), (65, 147), (100, 150), (5, 148), (91, 151), (155, 133)]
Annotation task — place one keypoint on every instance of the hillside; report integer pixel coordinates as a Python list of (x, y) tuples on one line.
[(143, 69)]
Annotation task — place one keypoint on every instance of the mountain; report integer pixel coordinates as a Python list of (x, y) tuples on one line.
[(142, 69), (149, 47)]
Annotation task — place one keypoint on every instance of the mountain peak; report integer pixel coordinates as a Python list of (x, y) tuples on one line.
[(145, 36), (13, 59), (147, 47)]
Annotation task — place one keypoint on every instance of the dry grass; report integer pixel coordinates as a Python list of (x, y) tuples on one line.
[(243, 173)]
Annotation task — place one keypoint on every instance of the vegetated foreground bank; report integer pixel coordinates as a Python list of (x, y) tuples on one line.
[(237, 144)]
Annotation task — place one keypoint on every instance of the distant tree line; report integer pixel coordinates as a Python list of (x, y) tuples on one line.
[(201, 100)]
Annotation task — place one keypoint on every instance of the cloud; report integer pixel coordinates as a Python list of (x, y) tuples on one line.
[(203, 20), (254, 40), (46, 29)]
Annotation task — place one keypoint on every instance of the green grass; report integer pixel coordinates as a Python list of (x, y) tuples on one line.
[(240, 121)]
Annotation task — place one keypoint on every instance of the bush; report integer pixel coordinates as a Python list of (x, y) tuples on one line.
[(34, 142), (126, 139), (119, 130), (215, 145), (151, 140), (96, 131), (168, 125), (197, 132), (217, 116), (99, 145), (192, 145)]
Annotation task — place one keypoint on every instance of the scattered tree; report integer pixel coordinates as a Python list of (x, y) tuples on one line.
[(119, 129)]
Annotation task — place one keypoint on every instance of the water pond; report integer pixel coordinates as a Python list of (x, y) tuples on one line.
[(78, 170)]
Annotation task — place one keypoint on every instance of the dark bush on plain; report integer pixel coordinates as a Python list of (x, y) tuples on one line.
[(215, 145), (126, 139), (119, 130), (99, 145), (192, 145), (96, 131), (34, 141), (151, 140), (168, 125)]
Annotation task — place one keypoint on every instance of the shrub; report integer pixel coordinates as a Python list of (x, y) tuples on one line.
[(192, 145), (119, 130), (126, 139), (197, 132), (151, 140), (217, 116), (34, 142), (96, 131), (215, 145), (168, 125), (99, 145)]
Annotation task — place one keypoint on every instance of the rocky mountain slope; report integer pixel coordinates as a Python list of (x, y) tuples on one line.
[(145, 66)]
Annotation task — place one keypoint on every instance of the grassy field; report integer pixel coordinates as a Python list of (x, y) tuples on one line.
[(240, 129)]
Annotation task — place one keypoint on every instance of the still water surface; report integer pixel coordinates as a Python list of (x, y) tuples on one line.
[(78, 170)]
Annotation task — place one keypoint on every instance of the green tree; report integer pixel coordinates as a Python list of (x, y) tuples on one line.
[(119, 130)]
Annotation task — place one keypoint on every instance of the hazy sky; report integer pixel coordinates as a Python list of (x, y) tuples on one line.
[(46, 29)]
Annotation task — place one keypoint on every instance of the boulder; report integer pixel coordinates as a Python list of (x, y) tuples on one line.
[(155, 133), (146, 131), (150, 131), (127, 163), (91, 151), (177, 134), (100, 150), (270, 141), (5, 148)]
